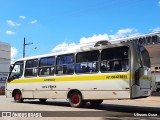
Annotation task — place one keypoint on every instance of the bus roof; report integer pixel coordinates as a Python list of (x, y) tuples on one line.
[(82, 49), (117, 40)]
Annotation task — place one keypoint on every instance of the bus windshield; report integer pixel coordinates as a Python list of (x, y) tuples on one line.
[(16, 71)]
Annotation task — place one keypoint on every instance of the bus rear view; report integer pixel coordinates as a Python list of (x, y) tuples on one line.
[(141, 82)]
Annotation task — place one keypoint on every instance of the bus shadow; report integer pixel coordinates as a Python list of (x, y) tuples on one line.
[(155, 94), (104, 107), (54, 103), (125, 108)]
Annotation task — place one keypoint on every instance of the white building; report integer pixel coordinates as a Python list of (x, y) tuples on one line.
[(5, 60)]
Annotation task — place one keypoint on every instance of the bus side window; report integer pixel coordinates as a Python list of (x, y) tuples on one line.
[(52, 70), (46, 66), (103, 68), (41, 71), (83, 69), (114, 59), (31, 68), (125, 65), (117, 67), (87, 62), (65, 64)]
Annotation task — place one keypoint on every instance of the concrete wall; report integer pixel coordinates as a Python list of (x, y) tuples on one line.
[(5, 57), (5, 60)]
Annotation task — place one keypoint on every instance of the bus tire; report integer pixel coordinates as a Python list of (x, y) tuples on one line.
[(42, 100), (75, 100), (96, 102), (18, 97)]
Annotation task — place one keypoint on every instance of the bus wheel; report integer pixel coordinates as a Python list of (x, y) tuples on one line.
[(75, 100), (96, 102), (42, 100), (18, 96)]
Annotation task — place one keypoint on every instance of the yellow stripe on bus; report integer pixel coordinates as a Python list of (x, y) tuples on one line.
[(75, 78)]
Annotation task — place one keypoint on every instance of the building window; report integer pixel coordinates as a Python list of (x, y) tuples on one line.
[(154, 38), (148, 39), (156, 68)]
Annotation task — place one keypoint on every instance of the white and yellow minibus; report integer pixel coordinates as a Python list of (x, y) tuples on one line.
[(93, 74)]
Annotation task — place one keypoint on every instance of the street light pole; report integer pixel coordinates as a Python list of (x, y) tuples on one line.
[(24, 46)]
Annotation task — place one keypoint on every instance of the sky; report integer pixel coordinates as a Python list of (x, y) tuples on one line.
[(60, 25)]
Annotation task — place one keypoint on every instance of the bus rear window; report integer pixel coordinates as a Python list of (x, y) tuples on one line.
[(145, 57)]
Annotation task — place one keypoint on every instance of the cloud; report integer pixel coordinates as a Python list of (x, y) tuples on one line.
[(64, 47), (83, 42), (13, 24), (34, 21), (159, 3), (9, 32), (22, 17), (14, 52), (123, 33), (157, 29), (94, 38), (90, 41)]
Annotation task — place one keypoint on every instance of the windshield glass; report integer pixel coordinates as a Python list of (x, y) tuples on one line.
[(16, 71)]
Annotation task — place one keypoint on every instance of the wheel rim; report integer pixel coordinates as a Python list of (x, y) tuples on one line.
[(75, 99), (17, 96)]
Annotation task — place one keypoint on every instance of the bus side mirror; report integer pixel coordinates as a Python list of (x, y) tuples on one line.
[(11, 67)]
